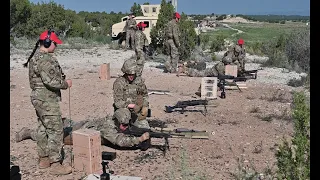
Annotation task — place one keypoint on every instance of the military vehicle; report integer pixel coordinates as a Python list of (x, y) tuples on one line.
[(150, 17)]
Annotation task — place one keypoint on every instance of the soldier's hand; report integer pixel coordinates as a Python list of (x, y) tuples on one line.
[(69, 82), (144, 136), (131, 106)]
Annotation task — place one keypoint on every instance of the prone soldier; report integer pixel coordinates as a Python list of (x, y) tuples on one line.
[(110, 129)]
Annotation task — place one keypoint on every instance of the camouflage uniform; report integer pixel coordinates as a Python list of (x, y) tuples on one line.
[(46, 80), (125, 93), (140, 40), (171, 44), (107, 127), (242, 57), (214, 71), (130, 28)]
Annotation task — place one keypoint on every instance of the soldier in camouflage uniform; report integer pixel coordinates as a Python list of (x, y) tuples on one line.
[(172, 43), (109, 128), (230, 57), (130, 29), (130, 94), (242, 54), (46, 80), (140, 41)]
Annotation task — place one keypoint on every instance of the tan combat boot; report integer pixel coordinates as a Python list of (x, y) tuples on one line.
[(23, 134), (58, 169), (44, 163)]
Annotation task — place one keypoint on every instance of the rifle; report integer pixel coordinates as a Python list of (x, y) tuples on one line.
[(184, 104), (251, 74), (222, 83), (165, 134)]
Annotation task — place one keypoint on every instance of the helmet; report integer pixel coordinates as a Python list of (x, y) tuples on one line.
[(240, 41), (237, 49), (129, 67), (141, 25), (176, 15), (123, 115)]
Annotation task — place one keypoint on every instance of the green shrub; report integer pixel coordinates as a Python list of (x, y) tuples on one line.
[(293, 159)]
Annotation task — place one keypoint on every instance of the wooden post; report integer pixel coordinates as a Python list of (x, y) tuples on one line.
[(104, 72)]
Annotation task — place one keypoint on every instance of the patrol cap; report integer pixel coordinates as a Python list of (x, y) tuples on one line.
[(240, 41), (141, 25), (176, 15), (53, 37)]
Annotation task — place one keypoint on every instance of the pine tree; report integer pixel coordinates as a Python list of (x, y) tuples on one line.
[(157, 33), (188, 37)]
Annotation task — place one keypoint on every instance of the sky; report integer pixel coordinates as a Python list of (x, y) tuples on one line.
[(249, 7)]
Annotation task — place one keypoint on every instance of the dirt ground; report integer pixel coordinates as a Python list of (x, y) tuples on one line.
[(245, 128)]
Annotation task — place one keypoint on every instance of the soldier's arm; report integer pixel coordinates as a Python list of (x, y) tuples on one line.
[(175, 33), (110, 133), (50, 75), (145, 95), (146, 42), (118, 95)]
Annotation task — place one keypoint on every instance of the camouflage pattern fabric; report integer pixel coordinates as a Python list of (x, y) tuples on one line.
[(125, 93), (130, 28), (218, 69), (108, 129), (171, 44), (140, 40), (46, 81)]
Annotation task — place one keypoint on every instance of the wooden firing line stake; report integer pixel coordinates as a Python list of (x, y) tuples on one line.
[(71, 155)]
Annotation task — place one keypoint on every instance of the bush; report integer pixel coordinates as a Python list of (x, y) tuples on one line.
[(217, 43), (292, 51), (297, 50), (293, 160), (188, 37)]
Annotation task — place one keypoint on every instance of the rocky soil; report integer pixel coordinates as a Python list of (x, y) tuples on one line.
[(245, 128)]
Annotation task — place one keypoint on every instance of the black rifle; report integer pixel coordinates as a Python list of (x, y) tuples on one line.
[(177, 133), (222, 83), (107, 156), (251, 74), (137, 132), (184, 104)]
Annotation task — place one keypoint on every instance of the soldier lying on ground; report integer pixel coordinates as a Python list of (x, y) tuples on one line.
[(109, 128), (231, 57)]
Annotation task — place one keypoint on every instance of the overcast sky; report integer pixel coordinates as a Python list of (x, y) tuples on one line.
[(285, 7)]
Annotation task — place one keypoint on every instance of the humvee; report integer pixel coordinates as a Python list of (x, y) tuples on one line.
[(150, 17)]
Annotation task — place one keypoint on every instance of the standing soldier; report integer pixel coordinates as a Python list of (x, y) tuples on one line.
[(172, 43), (46, 80), (130, 28), (130, 94), (140, 42), (242, 54)]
